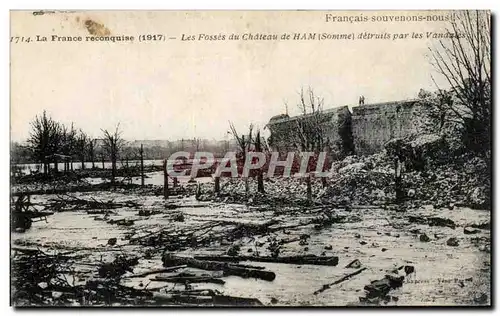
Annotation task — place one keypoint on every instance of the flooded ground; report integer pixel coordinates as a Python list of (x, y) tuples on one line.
[(381, 238)]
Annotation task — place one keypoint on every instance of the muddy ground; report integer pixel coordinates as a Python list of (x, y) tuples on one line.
[(382, 238)]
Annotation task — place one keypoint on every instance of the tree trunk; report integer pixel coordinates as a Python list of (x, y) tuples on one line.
[(229, 269), (83, 163), (260, 182), (324, 182), (198, 192), (102, 159), (92, 158), (113, 169), (56, 167)]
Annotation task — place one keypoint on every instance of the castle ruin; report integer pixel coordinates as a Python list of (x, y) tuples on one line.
[(363, 131)]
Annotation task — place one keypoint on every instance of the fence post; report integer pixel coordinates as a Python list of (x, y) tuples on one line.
[(217, 185), (142, 165)]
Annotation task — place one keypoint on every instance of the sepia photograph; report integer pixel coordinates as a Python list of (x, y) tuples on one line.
[(206, 158)]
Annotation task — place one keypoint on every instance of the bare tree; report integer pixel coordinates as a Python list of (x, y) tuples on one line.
[(196, 143), (244, 144), (68, 140), (81, 141), (310, 134), (91, 150), (42, 139), (112, 144), (464, 61)]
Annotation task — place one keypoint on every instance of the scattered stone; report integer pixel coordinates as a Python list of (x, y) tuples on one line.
[(233, 250), (481, 299), (424, 238), (355, 264), (306, 249), (178, 217), (328, 247), (452, 242), (485, 225), (409, 269), (357, 235), (250, 250), (274, 300), (363, 242), (485, 248), (415, 231), (384, 249), (411, 193), (380, 288), (438, 236), (304, 236), (112, 241), (470, 230)]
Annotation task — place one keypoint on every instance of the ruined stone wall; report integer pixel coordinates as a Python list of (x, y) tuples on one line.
[(364, 132), (284, 130), (373, 125)]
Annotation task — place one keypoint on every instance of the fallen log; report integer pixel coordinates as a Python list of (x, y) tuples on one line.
[(306, 259), (227, 268), (164, 270), (215, 299), (189, 279), (344, 278), (432, 221)]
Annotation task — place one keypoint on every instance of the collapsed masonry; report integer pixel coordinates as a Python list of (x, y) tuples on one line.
[(363, 132)]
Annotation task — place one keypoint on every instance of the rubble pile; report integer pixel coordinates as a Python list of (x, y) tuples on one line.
[(370, 180), (460, 183)]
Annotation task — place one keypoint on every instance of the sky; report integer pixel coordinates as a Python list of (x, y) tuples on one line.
[(183, 89)]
